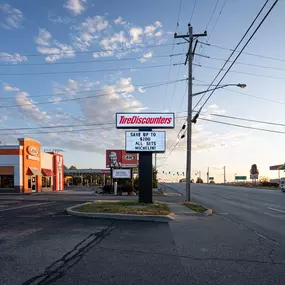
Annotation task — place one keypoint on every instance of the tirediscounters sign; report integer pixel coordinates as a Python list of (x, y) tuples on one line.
[(145, 141), (145, 120)]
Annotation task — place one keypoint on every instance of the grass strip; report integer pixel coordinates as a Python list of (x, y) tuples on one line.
[(125, 207), (195, 207)]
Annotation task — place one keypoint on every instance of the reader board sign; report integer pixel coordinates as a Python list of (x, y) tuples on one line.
[(145, 141), (121, 173), (145, 120)]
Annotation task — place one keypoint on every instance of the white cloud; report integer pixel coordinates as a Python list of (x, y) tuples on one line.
[(12, 17), (119, 21), (52, 48), (12, 58), (8, 88), (146, 56), (136, 35), (76, 7), (28, 108), (59, 19), (88, 31)]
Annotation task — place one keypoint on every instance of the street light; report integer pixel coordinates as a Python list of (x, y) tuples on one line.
[(240, 85), (196, 116)]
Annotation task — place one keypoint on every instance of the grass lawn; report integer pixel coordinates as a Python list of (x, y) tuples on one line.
[(125, 207), (195, 207)]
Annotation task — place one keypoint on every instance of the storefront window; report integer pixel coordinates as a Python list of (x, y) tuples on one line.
[(46, 181), (6, 181)]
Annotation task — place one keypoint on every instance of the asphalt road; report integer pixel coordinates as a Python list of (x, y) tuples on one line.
[(260, 210)]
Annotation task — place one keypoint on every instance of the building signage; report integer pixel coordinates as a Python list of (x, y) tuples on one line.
[(145, 141), (121, 173), (33, 157), (145, 120), (129, 160), (240, 178), (254, 176), (211, 178), (32, 150), (119, 158)]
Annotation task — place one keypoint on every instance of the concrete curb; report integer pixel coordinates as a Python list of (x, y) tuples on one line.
[(207, 213), (115, 216)]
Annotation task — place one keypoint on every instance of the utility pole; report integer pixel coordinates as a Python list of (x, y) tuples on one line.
[(189, 57), (224, 174), (208, 174)]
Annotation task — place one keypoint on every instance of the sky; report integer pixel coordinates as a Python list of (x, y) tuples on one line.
[(75, 63)]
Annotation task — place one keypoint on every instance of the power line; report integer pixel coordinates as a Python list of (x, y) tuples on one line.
[(249, 120), (242, 72), (73, 92), (239, 43), (85, 61), (179, 10), (242, 126), (62, 126), (91, 51), (74, 99), (245, 45), (83, 71), (192, 14), (211, 17), (242, 63), (247, 53)]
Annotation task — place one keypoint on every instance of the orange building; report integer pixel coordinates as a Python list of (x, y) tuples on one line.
[(25, 169)]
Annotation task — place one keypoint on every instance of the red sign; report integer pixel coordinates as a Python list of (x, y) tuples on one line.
[(119, 159), (114, 158), (142, 120), (129, 159)]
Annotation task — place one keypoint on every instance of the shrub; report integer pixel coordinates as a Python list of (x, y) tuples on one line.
[(199, 180), (108, 188)]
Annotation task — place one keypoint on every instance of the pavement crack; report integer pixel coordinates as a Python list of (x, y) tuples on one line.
[(57, 269)]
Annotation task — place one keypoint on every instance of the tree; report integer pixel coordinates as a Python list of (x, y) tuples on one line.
[(72, 167), (199, 180)]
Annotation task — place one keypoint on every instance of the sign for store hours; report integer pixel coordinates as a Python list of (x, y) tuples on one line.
[(145, 141)]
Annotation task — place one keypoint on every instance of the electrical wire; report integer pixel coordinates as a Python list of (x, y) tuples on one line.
[(242, 126), (245, 45), (86, 61), (91, 51), (192, 14), (74, 92), (75, 99), (82, 71), (232, 53), (211, 17), (247, 53)]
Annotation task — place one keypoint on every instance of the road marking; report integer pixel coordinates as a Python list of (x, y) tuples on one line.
[(276, 210), (25, 206)]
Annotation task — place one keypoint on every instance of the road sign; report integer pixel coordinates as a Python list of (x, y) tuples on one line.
[(240, 178), (121, 173), (253, 176), (211, 178), (145, 141), (145, 120)]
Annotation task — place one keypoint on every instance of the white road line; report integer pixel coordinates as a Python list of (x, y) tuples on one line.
[(25, 206), (276, 210)]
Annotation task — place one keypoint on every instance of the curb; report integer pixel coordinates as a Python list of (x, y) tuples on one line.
[(207, 213), (115, 216)]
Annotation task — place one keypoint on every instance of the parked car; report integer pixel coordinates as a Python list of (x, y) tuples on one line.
[(282, 184)]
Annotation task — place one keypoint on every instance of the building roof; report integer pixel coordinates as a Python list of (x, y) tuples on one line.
[(88, 170)]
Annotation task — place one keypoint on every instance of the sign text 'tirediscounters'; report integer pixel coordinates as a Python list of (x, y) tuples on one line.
[(145, 120)]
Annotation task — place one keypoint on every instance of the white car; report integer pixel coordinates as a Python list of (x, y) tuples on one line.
[(283, 188)]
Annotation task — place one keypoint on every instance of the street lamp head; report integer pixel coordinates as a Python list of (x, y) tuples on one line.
[(241, 85)]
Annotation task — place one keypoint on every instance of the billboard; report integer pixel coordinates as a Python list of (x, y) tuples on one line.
[(113, 158), (145, 141), (121, 173), (119, 158), (145, 120), (129, 159)]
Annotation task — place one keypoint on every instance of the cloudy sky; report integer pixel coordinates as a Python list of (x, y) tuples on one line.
[(67, 66)]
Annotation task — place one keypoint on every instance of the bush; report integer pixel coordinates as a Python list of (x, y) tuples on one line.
[(269, 184), (108, 188)]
